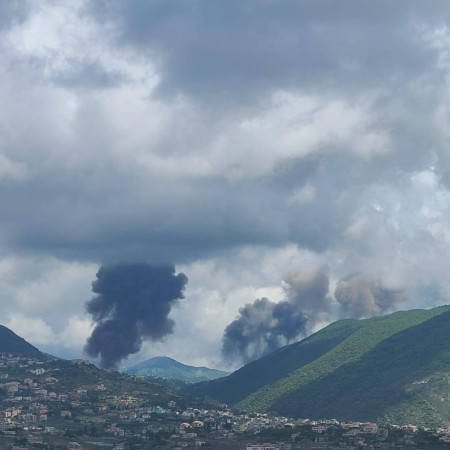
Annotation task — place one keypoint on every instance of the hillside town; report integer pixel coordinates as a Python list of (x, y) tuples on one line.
[(59, 404)]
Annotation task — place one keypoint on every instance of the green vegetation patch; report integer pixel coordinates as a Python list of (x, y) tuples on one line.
[(310, 389)]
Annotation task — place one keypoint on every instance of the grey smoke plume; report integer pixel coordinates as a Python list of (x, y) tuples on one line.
[(261, 328), (264, 326), (132, 304), (309, 290), (361, 297)]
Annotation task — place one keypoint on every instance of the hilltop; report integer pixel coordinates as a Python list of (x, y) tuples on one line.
[(390, 368), (13, 344), (162, 366)]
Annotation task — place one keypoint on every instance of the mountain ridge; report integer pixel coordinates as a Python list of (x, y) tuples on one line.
[(10, 342), (163, 366)]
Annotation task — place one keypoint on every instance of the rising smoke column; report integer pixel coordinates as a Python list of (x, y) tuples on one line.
[(308, 291), (132, 304), (364, 297), (264, 326)]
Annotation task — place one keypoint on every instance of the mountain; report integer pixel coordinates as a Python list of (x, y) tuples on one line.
[(162, 366), (392, 368), (11, 343)]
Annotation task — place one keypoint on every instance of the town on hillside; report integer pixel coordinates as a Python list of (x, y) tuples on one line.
[(58, 404)]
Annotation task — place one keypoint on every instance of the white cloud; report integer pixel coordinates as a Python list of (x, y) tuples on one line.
[(75, 333), (34, 330), (45, 286), (305, 194)]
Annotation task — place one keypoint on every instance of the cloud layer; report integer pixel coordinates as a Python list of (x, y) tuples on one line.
[(269, 136)]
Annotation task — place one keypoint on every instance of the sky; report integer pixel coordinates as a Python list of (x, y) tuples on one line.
[(290, 158)]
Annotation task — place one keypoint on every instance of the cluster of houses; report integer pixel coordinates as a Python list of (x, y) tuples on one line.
[(38, 409)]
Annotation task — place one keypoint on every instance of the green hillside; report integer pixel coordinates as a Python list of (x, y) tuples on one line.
[(11, 343), (276, 365), (405, 378), (395, 367), (165, 367)]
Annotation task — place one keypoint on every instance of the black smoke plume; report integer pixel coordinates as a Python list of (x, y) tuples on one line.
[(362, 297), (132, 304), (264, 326)]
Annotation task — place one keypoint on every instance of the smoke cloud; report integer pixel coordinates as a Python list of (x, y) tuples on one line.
[(361, 297), (264, 326), (309, 291), (132, 304)]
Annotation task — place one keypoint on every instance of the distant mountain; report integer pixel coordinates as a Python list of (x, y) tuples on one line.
[(11, 343), (392, 368), (162, 366)]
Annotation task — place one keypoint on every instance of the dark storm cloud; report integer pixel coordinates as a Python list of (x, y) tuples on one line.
[(159, 131), (236, 50), (124, 176), (264, 326), (132, 304), (94, 205), (362, 297), (113, 220), (190, 223)]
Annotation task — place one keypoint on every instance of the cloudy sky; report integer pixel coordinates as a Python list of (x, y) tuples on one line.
[(295, 153)]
